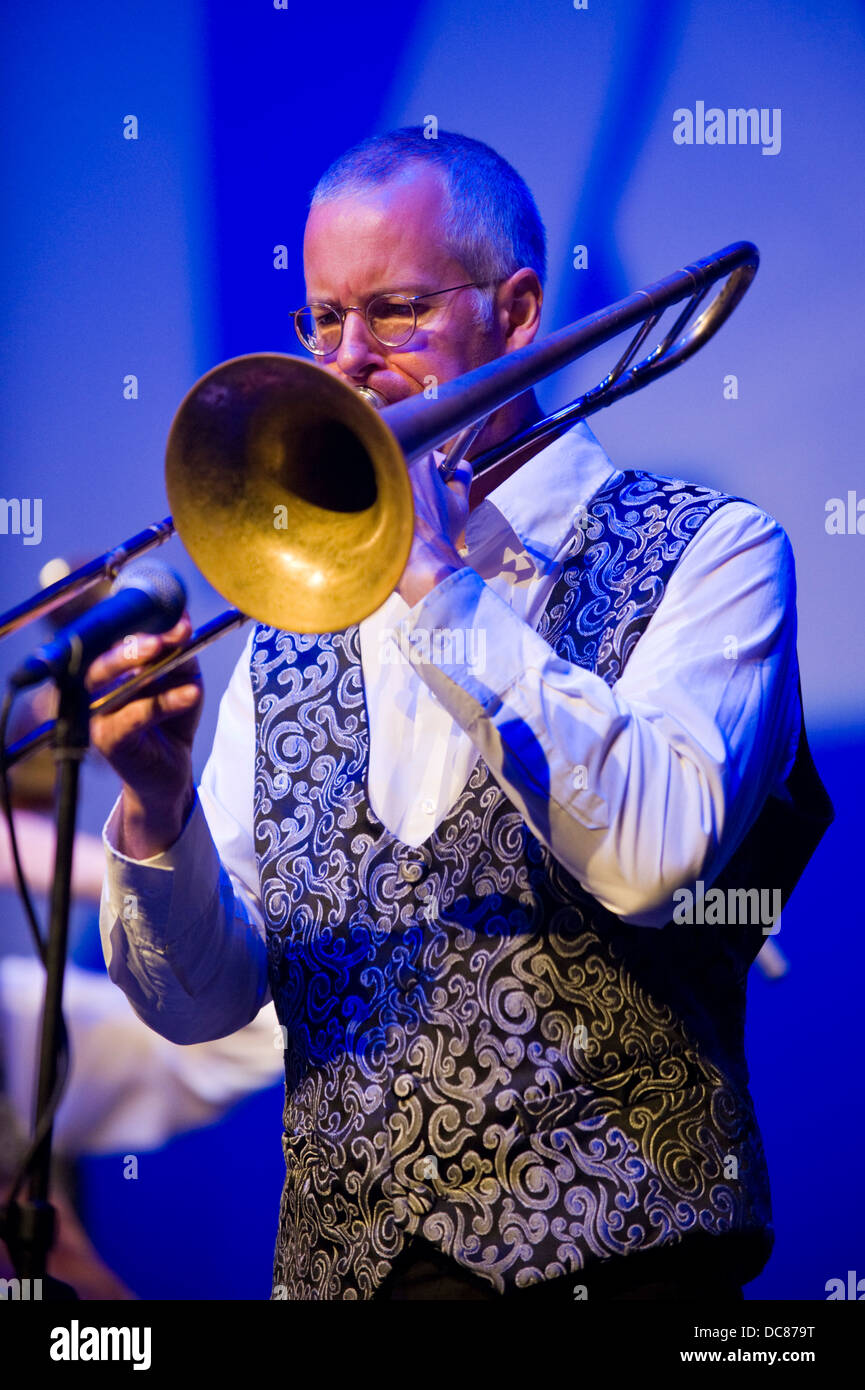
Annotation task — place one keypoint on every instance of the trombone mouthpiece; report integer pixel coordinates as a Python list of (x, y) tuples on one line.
[(374, 397)]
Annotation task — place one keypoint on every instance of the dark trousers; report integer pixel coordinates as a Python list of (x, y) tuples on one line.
[(421, 1271)]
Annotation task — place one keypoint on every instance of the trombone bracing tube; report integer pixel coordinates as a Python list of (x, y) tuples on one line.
[(420, 424)]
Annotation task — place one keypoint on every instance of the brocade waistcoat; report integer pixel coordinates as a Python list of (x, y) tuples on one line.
[(477, 1052)]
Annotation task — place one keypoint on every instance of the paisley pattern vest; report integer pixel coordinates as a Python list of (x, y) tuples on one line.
[(477, 1052)]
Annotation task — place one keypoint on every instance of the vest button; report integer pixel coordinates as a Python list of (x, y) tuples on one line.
[(411, 870), (405, 1085)]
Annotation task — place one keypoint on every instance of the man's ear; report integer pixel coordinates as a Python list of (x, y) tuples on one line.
[(519, 300)]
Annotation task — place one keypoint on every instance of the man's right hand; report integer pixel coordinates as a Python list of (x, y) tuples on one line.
[(148, 742)]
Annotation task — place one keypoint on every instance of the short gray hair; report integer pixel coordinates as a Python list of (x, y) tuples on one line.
[(492, 224)]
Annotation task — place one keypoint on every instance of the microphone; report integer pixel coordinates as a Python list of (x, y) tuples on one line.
[(144, 598)]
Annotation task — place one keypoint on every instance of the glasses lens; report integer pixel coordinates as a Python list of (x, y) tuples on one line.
[(318, 328), (391, 319)]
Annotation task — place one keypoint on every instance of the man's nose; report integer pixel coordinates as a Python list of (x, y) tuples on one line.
[(358, 347)]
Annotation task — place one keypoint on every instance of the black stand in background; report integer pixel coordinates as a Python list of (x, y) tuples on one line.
[(28, 1227)]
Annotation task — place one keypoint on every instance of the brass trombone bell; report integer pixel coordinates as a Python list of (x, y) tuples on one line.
[(290, 493)]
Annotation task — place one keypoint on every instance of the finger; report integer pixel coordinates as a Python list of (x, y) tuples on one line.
[(174, 637), (187, 673), (136, 650), (179, 632), (427, 479), (421, 470), (123, 727), (178, 700), (461, 479), (126, 656), (116, 698)]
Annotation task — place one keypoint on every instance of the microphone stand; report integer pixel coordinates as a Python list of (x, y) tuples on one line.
[(28, 1227)]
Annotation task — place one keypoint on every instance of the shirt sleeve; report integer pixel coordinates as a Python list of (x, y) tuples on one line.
[(183, 933), (640, 788)]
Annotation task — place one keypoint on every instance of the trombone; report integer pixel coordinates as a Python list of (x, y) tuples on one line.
[(291, 492)]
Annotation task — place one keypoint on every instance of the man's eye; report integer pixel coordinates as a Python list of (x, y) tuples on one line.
[(395, 309), (319, 319)]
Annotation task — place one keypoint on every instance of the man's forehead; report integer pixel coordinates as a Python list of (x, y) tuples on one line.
[(384, 225), (413, 185)]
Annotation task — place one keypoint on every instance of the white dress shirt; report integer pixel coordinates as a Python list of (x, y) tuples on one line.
[(649, 785)]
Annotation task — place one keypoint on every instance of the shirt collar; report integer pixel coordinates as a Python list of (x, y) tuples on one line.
[(541, 502)]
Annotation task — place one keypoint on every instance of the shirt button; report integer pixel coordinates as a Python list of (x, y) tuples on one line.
[(411, 871), (427, 806)]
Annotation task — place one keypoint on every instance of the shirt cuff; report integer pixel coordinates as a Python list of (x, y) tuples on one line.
[(168, 892), (488, 668), (462, 633)]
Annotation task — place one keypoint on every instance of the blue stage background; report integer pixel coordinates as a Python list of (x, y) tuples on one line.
[(155, 256)]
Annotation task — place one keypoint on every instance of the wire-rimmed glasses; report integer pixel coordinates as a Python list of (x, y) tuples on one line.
[(390, 318)]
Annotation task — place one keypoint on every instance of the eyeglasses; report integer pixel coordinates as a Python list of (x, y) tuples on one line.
[(390, 318)]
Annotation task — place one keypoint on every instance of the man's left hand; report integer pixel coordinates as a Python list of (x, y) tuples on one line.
[(441, 511)]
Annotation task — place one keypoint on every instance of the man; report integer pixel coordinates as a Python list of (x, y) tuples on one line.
[(508, 1069)]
